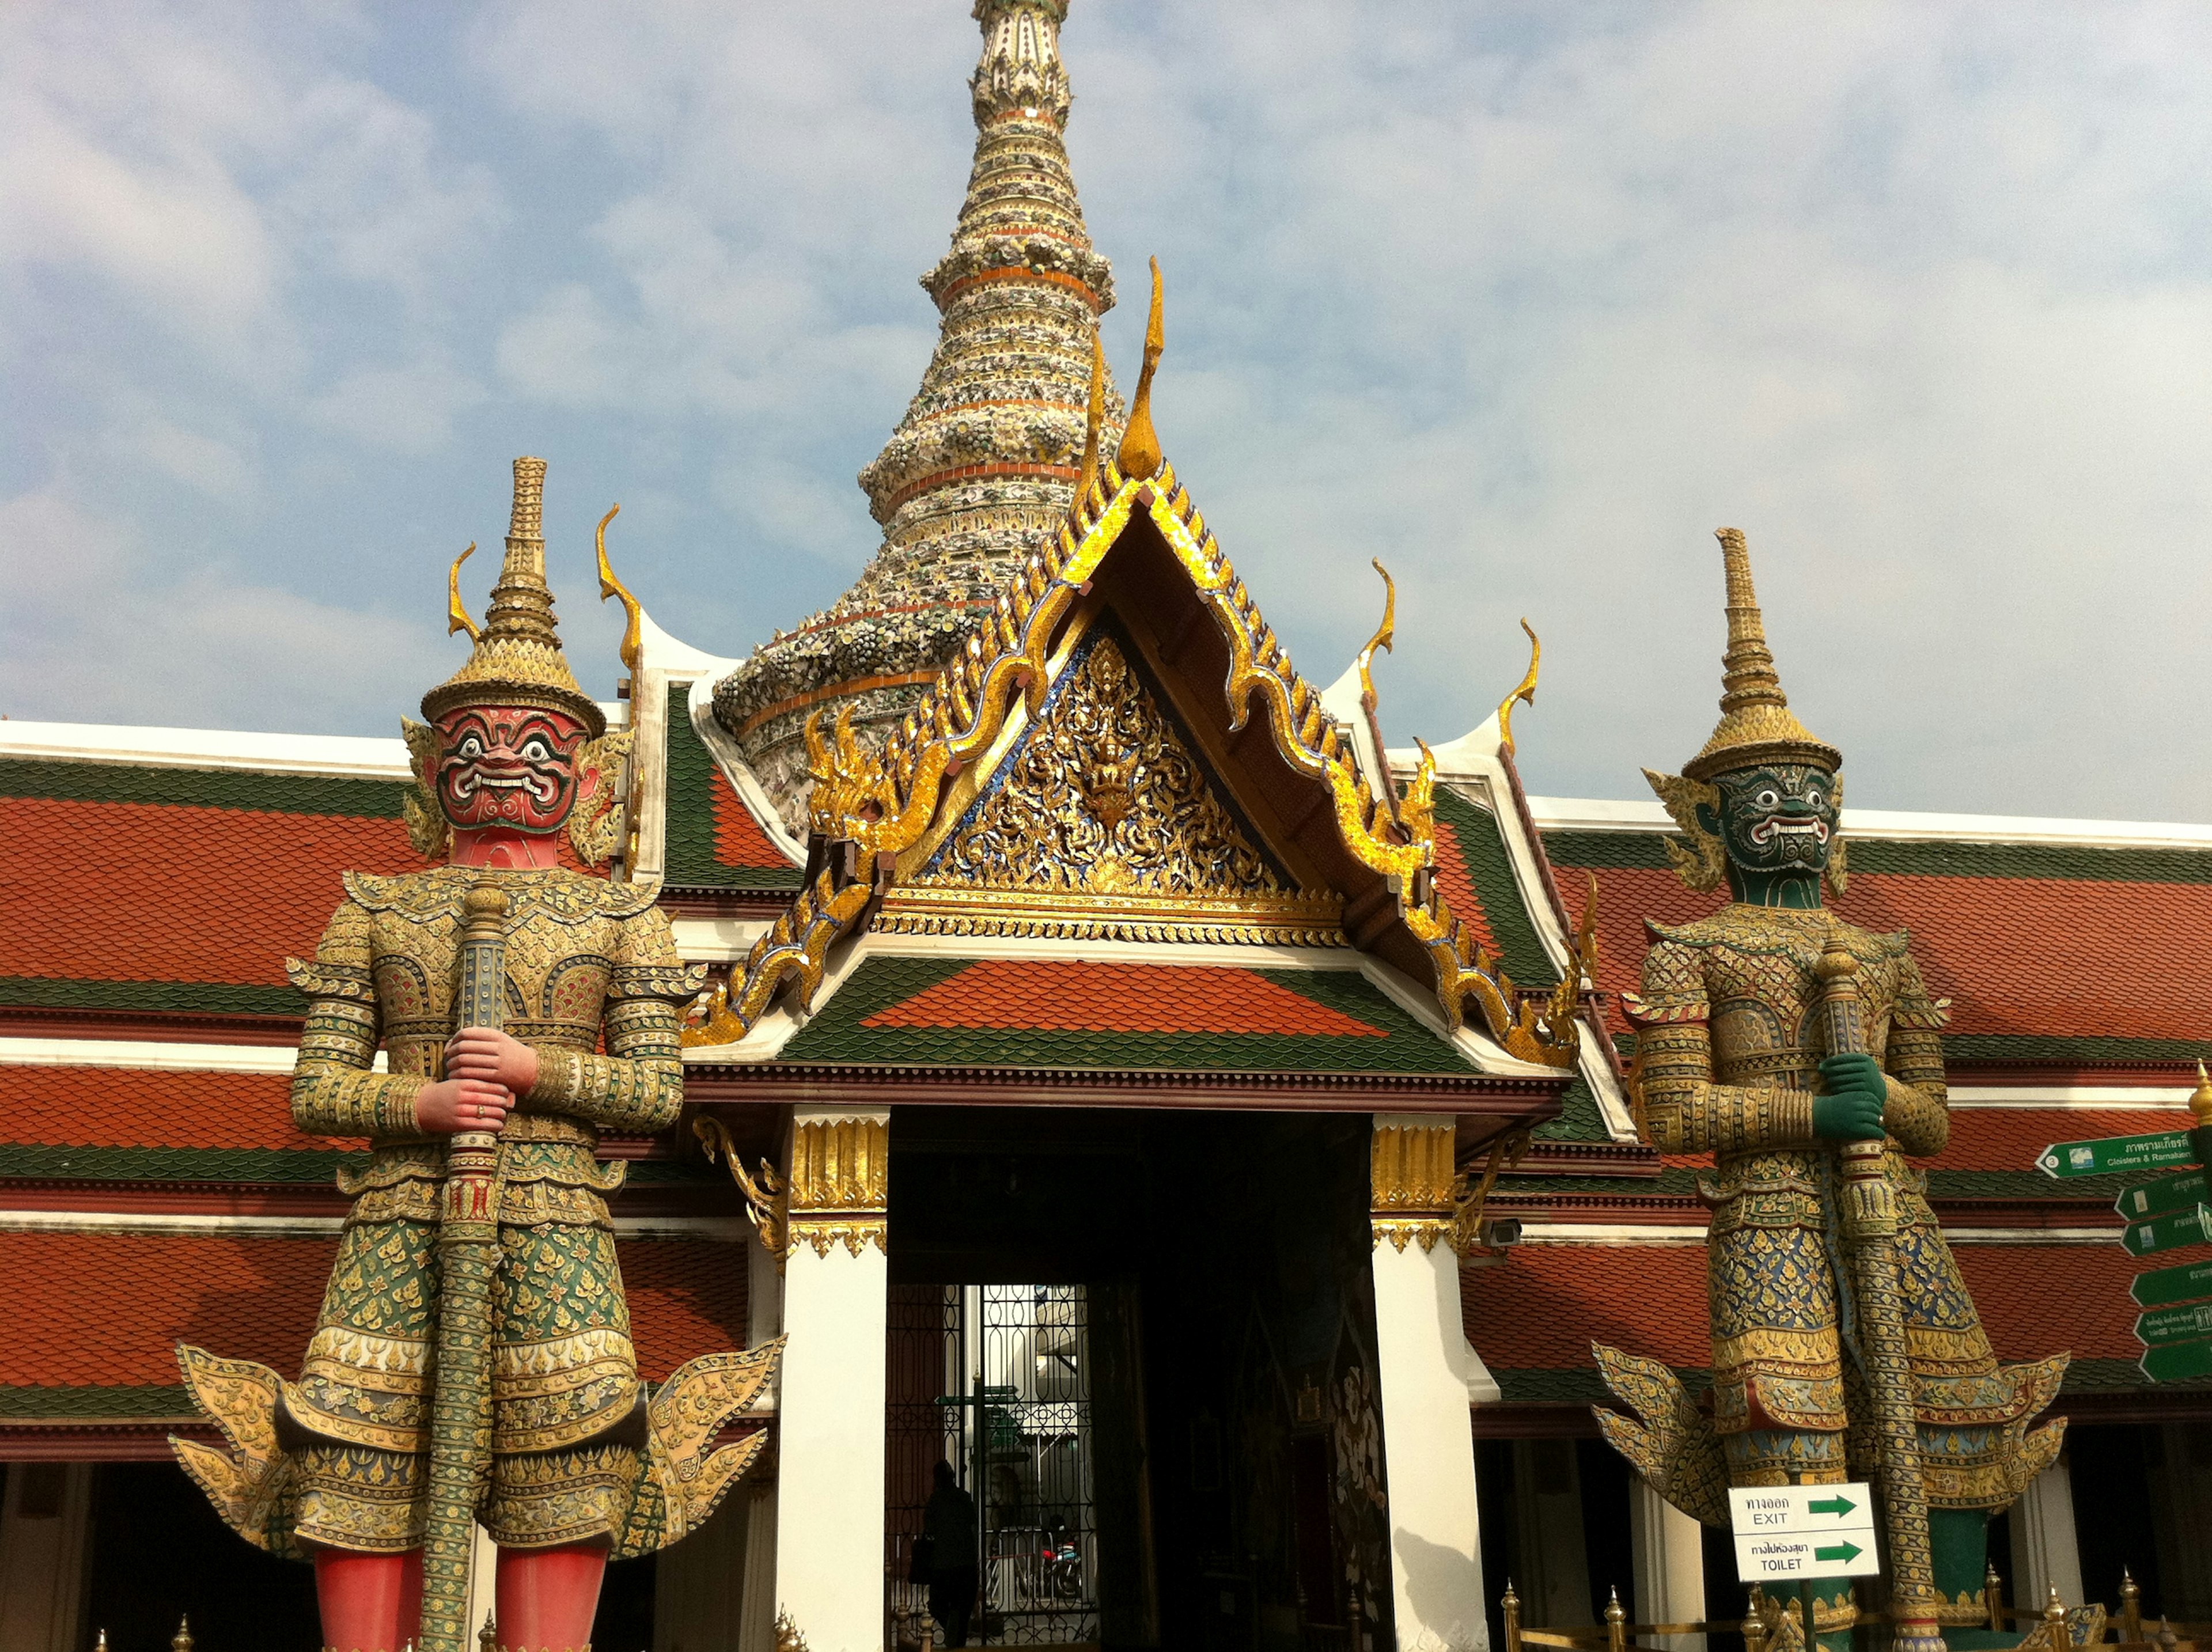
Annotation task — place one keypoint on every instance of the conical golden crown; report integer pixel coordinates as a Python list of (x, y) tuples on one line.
[(1756, 725), (517, 660)]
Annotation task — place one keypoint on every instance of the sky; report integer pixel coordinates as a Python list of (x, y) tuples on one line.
[(1524, 300)]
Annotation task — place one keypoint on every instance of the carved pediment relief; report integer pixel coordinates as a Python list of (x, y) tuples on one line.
[(1105, 812)]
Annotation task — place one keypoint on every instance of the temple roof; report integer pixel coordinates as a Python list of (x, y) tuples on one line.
[(985, 462), (1533, 1314), (1123, 752), (96, 1310)]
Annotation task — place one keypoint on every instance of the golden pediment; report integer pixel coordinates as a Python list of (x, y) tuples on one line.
[(1104, 821)]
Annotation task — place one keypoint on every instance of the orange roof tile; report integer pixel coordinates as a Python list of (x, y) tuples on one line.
[(138, 891), (1047, 995), (111, 1107), (2058, 957), (1541, 1307), (105, 1310), (2009, 1138)]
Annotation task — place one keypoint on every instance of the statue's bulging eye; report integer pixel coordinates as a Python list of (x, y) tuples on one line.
[(1769, 799), (471, 747), (535, 749), (1814, 798)]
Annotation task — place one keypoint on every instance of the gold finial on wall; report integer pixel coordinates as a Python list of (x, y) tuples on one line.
[(1384, 634), (1525, 692), (1140, 456), (633, 631), (457, 615)]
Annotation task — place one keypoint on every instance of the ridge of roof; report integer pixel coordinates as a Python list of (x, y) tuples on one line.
[(1618, 814)]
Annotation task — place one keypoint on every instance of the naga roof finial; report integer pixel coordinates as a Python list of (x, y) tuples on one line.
[(517, 660), (1757, 725), (1140, 455)]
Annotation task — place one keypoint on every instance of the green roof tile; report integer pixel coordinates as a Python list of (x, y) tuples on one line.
[(1483, 845), (204, 788)]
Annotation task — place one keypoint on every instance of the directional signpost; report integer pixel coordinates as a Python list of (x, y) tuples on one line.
[(2107, 1156), (1785, 1534), (2166, 1213)]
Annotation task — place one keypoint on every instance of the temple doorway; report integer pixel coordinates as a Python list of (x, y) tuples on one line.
[(994, 1381)]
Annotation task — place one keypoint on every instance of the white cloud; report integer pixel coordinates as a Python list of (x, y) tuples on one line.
[(101, 626), (407, 409), (1526, 300)]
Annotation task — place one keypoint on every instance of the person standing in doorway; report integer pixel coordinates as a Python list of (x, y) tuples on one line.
[(948, 1521)]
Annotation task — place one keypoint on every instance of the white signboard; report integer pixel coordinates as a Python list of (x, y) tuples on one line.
[(1784, 1533)]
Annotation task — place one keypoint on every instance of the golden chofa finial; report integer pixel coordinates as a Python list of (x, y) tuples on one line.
[(1140, 456), (1094, 415), (2200, 1102), (1525, 693), (457, 615), (1385, 634), (633, 611)]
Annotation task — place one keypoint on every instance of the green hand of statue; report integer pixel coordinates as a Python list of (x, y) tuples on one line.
[(1854, 1094)]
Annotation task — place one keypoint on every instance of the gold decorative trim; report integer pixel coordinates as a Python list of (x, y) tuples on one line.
[(1414, 1186), (767, 1200), (837, 1189), (795, 948), (1292, 921)]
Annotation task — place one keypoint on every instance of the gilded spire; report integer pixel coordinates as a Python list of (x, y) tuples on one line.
[(517, 660), (987, 459), (1140, 454), (1757, 725)]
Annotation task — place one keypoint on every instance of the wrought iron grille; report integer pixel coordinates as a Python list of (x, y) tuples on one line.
[(995, 1380)]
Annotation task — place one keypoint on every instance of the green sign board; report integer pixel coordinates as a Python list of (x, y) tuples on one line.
[(2108, 1155), (2162, 1286), (2177, 1364), (2167, 1193), (2168, 1232), (2190, 1322)]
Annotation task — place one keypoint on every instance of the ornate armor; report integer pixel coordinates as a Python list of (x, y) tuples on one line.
[(581, 955), (1727, 1048)]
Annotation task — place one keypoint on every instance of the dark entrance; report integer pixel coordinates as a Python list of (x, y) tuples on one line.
[(1143, 1342)]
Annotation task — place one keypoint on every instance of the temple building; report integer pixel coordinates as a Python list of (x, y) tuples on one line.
[(1124, 1077)]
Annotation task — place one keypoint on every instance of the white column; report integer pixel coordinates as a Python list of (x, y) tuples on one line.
[(2043, 1549), (829, 1481), (756, 1501), (45, 1528), (1670, 1564), (1425, 1369)]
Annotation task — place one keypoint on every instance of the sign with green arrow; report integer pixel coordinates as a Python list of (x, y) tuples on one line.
[(2187, 1323), (2167, 1193), (2176, 1363), (2168, 1232), (2110, 1155), (1786, 1532), (2162, 1286)]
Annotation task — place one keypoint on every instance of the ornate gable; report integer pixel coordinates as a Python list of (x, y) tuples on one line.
[(1103, 820)]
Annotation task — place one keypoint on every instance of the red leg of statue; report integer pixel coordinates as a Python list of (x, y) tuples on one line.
[(373, 1602), (547, 1597)]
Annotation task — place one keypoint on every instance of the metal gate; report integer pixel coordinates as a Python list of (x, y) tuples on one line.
[(995, 1380)]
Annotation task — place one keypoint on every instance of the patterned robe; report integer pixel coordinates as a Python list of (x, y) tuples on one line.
[(585, 961), (1727, 1062)]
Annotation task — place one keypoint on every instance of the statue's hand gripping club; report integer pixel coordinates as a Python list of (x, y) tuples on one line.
[(1854, 1094)]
